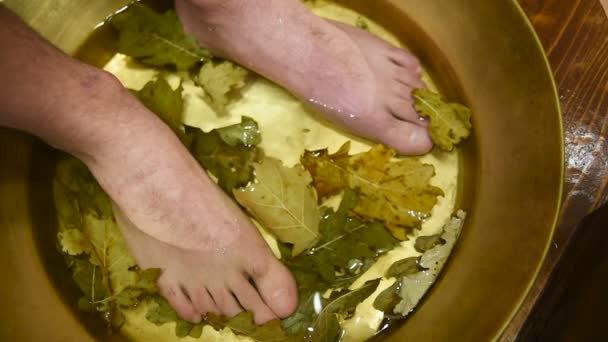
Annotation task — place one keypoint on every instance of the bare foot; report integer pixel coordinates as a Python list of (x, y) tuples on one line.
[(175, 218), (357, 80)]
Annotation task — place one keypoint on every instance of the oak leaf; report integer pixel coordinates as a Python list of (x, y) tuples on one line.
[(282, 200), (156, 39), (450, 122), (395, 192)]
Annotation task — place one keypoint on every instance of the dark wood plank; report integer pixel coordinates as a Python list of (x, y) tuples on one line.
[(575, 36), (573, 304)]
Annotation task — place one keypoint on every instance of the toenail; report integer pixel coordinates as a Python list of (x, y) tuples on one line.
[(279, 293), (413, 137), (197, 319)]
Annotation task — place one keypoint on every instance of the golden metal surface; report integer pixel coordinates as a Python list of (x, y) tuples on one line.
[(483, 52)]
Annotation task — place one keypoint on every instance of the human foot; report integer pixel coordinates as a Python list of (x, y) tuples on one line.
[(223, 280), (355, 79), (175, 218)]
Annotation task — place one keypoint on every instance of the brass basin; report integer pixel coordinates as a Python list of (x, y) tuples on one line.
[(482, 52)]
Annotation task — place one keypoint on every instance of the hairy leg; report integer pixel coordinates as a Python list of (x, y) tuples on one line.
[(353, 78), (172, 215)]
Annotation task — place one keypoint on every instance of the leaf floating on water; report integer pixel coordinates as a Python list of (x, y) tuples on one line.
[(345, 240), (77, 191), (73, 242), (424, 243), (329, 171), (156, 39), (327, 328), (450, 122), (404, 267), (93, 247), (396, 193), (145, 285), (90, 280), (166, 103), (231, 165), (222, 82), (244, 325), (413, 287), (162, 313), (299, 322), (246, 133), (389, 298), (283, 202)]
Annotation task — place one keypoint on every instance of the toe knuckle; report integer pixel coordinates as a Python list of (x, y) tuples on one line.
[(258, 269)]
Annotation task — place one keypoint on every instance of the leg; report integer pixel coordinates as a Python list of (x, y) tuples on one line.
[(211, 256), (353, 78)]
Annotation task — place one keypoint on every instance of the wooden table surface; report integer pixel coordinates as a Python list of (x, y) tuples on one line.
[(575, 36)]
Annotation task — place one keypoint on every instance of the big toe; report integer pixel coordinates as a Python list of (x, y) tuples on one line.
[(405, 137), (276, 286)]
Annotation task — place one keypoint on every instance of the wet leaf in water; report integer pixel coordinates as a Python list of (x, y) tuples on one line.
[(282, 200), (395, 192), (162, 100), (231, 165), (450, 122), (222, 82), (424, 243), (156, 39), (327, 327)]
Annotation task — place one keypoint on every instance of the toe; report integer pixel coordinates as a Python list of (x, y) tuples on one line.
[(250, 300), (203, 303), (404, 59), (276, 286), (407, 77), (406, 137), (179, 301), (402, 109), (225, 301)]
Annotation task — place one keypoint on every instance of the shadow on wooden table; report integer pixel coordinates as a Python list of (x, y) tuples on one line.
[(574, 306)]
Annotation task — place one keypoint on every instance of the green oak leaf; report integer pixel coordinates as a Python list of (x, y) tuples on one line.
[(80, 190), (94, 249), (344, 239), (329, 171), (243, 324), (327, 328), (393, 191), (74, 242), (304, 316), (222, 82), (160, 312), (158, 96), (156, 39), (246, 133), (66, 206), (450, 122), (282, 200), (145, 285), (231, 165)]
